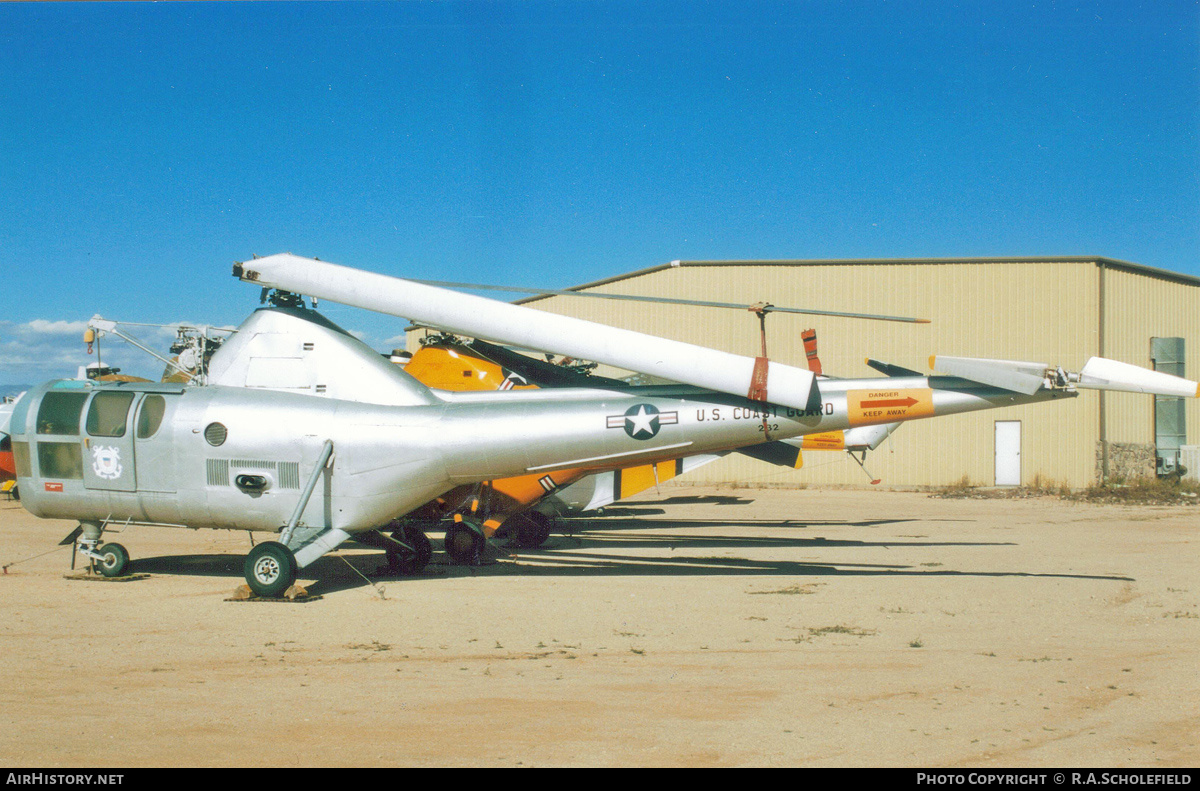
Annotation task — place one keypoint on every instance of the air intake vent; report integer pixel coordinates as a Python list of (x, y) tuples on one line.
[(289, 475), (218, 472), (216, 433), (253, 464)]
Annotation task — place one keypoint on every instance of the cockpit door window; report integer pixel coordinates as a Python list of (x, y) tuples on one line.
[(108, 413)]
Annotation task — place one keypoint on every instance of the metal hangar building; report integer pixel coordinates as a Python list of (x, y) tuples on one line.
[(1054, 310)]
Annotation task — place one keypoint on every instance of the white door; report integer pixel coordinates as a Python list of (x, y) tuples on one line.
[(1008, 453)]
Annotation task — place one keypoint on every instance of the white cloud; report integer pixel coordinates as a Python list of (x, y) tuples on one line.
[(43, 327), (38, 350)]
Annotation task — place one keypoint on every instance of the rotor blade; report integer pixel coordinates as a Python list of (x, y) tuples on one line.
[(504, 322), (764, 307), (810, 350)]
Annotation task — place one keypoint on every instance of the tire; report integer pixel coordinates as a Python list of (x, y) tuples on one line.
[(463, 544), (533, 528), (270, 569), (114, 560), (409, 563)]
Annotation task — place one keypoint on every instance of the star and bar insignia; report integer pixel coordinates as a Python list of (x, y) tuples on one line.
[(642, 421)]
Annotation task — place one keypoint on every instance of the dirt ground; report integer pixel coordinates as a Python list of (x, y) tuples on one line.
[(692, 627)]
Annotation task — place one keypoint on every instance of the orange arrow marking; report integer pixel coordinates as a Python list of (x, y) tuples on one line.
[(905, 402), (869, 407)]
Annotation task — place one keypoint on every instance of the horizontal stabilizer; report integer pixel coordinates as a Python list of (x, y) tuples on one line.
[(781, 454), (1020, 377), (1103, 374), (869, 437), (859, 438)]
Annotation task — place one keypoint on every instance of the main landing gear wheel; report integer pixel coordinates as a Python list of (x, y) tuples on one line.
[(533, 528), (464, 544), (113, 560), (412, 561), (270, 569)]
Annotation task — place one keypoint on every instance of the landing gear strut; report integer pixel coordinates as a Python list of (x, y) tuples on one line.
[(409, 550), (111, 560)]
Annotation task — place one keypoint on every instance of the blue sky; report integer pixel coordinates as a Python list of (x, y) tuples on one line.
[(145, 147)]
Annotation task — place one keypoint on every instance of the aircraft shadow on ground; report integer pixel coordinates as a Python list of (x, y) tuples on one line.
[(672, 542), (650, 506), (600, 555), (332, 573), (581, 524), (584, 564)]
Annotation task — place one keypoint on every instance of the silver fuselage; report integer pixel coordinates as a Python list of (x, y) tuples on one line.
[(387, 460)]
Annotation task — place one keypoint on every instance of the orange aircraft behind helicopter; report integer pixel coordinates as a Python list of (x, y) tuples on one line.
[(507, 506)]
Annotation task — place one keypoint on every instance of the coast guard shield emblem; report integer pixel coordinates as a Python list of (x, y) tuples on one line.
[(106, 462)]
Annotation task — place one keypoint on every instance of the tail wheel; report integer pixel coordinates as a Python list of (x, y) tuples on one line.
[(113, 560), (464, 544), (533, 528), (270, 569), (410, 561)]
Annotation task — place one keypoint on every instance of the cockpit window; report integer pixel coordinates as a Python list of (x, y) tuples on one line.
[(151, 415), (59, 413), (60, 460), (106, 416)]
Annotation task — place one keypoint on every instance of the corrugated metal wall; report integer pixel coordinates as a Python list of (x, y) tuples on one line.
[(1043, 310), (1137, 309)]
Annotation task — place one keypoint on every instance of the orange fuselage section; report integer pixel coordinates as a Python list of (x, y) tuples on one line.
[(447, 368)]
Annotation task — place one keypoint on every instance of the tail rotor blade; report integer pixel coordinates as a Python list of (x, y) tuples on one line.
[(1099, 373), (1103, 374)]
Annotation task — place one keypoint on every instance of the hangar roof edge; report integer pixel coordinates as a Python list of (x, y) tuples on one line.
[(1110, 263)]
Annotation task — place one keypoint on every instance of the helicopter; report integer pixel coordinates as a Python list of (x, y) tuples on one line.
[(304, 432), (521, 507)]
